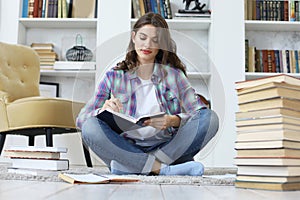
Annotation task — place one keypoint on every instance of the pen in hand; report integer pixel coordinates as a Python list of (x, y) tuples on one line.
[(113, 104)]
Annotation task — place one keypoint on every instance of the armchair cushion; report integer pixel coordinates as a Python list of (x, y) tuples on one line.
[(34, 112)]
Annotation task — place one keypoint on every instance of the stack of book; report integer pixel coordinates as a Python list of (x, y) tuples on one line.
[(36, 158), (268, 139), (46, 53)]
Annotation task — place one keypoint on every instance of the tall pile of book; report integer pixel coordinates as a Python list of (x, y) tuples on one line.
[(36, 158), (46, 53), (268, 139)]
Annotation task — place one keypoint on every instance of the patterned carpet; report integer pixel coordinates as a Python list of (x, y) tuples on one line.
[(212, 176)]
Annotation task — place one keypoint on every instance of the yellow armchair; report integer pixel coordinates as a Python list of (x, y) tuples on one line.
[(22, 110)]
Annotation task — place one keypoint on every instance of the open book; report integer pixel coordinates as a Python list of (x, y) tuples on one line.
[(120, 122), (94, 178)]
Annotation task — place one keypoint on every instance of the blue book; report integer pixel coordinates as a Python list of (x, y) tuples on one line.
[(25, 9)]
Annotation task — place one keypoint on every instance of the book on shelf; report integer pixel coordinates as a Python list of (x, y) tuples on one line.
[(45, 46), (273, 112), (70, 65), (267, 161), (264, 10), (93, 178), (120, 122), (44, 164), (162, 7), (263, 135), (276, 78), (268, 144), (279, 152), (285, 186), (34, 152), (84, 8)]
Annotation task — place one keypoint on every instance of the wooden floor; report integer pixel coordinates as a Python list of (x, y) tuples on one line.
[(32, 190)]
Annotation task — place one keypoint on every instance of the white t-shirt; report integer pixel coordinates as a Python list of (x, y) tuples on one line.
[(147, 103)]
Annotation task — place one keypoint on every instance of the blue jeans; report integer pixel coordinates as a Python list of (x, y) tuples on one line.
[(182, 147)]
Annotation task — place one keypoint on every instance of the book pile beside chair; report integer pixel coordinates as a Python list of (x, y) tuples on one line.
[(36, 159), (268, 139)]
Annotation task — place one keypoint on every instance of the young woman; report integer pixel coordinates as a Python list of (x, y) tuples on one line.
[(150, 79)]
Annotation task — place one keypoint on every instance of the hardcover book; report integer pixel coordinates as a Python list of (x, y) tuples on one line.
[(120, 122), (268, 185), (270, 104), (280, 152), (268, 144), (268, 93), (273, 112), (269, 170), (277, 78), (44, 164), (34, 152), (270, 179), (264, 135), (267, 161)]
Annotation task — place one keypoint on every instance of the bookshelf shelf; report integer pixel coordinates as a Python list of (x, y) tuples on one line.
[(255, 75), (186, 23), (255, 25), (58, 22), (64, 73)]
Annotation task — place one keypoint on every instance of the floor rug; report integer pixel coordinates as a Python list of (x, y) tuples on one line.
[(212, 176)]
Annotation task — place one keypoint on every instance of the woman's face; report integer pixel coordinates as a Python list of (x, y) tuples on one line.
[(146, 43)]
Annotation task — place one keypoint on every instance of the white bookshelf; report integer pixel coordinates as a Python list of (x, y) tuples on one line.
[(187, 23), (59, 23), (256, 25), (69, 73)]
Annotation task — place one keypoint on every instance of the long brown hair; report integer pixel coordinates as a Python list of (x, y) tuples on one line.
[(167, 50)]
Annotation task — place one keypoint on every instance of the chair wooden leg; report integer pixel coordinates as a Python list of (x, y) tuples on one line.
[(87, 155), (49, 137), (2, 141), (31, 140)]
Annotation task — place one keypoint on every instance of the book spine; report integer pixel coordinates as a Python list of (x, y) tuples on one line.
[(55, 8), (36, 8), (25, 9), (40, 8), (142, 7), (162, 8), (59, 8), (30, 8)]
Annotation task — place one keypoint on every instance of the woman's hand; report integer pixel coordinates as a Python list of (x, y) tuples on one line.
[(164, 122), (112, 104)]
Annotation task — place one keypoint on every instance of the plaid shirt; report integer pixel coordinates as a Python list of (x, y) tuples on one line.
[(173, 91)]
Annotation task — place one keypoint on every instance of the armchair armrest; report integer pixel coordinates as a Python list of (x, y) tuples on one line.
[(4, 97)]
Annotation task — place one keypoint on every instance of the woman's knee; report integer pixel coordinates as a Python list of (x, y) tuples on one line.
[(89, 128), (212, 122)]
